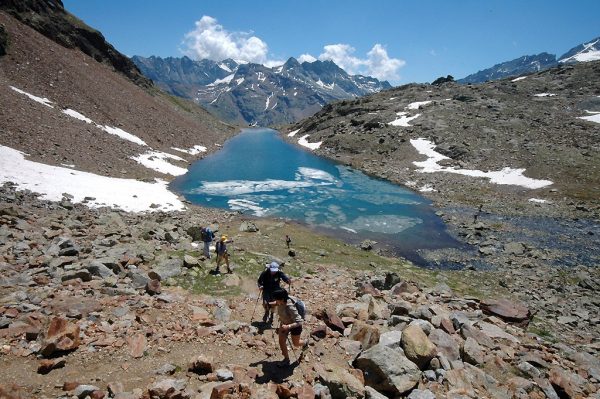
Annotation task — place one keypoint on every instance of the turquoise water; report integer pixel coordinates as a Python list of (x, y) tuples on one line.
[(260, 174)]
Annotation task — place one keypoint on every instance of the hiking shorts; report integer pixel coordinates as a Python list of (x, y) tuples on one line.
[(296, 330), (267, 296)]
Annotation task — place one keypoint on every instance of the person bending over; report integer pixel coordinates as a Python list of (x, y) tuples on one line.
[(290, 324)]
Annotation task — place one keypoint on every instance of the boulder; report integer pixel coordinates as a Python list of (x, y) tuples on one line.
[(47, 365), (388, 370), (332, 320), (421, 394), (168, 388), (99, 269), (62, 335), (153, 287), (248, 227), (190, 261), (472, 352), (445, 344), (340, 382), (168, 268), (137, 345), (371, 393), (506, 310), (202, 365), (417, 346), (392, 339), (366, 334)]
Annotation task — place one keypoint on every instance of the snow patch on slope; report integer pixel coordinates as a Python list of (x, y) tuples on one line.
[(508, 176), (52, 181)]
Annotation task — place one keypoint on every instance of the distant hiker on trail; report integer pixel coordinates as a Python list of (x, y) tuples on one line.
[(476, 216), (288, 241), (207, 236), (222, 254), (290, 323), (268, 282)]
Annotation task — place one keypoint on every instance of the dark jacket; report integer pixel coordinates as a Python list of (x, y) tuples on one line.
[(270, 282)]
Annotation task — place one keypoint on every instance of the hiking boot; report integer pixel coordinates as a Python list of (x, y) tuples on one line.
[(265, 316), (271, 317)]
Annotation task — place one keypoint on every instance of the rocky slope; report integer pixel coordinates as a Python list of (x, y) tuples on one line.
[(255, 94), (91, 304), (62, 107), (52, 20)]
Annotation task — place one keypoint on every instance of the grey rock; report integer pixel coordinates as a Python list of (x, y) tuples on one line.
[(371, 393), (472, 352), (248, 227), (529, 370), (82, 274), (166, 369), (168, 268), (190, 261), (97, 268), (391, 339), (224, 375), (421, 394), (83, 391), (388, 370)]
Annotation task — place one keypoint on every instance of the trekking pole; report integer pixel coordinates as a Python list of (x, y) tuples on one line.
[(255, 305)]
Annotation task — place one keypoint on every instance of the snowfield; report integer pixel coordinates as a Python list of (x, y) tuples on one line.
[(157, 161), (508, 176), (313, 146), (403, 120), (51, 182)]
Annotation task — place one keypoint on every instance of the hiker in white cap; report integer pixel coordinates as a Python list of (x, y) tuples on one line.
[(268, 282)]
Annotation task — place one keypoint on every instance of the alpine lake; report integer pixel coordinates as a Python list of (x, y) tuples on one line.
[(261, 175)]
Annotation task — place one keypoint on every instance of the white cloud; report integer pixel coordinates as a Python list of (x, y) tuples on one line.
[(377, 63), (306, 58), (211, 41)]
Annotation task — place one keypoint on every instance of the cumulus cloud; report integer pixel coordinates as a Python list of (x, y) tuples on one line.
[(306, 58), (377, 62), (211, 41)]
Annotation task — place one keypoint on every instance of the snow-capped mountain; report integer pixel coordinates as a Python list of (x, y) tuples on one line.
[(589, 51), (519, 66), (255, 94), (585, 52)]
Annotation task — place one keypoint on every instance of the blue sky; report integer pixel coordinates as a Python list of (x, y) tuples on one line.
[(402, 41)]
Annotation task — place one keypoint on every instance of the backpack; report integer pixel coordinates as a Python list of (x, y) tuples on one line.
[(205, 234), (300, 307)]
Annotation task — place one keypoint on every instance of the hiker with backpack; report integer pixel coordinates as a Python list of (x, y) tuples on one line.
[(222, 254), (288, 311), (268, 282), (207, 236)]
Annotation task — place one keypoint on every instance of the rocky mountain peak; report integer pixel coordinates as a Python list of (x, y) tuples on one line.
[(248, 93)]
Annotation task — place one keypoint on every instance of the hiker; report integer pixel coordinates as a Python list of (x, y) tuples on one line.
[(268, 282), (207, 236), (290, 323), (222, 254), (288, 241)]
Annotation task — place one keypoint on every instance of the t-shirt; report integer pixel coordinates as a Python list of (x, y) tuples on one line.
[(270, 281), (221, 247), (288, 314)]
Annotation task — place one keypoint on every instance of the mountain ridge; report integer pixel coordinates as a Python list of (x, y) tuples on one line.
[(247, 93), (527, 64)]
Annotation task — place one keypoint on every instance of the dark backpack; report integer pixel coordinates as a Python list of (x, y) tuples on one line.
[(205, 234), (300, 307)]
